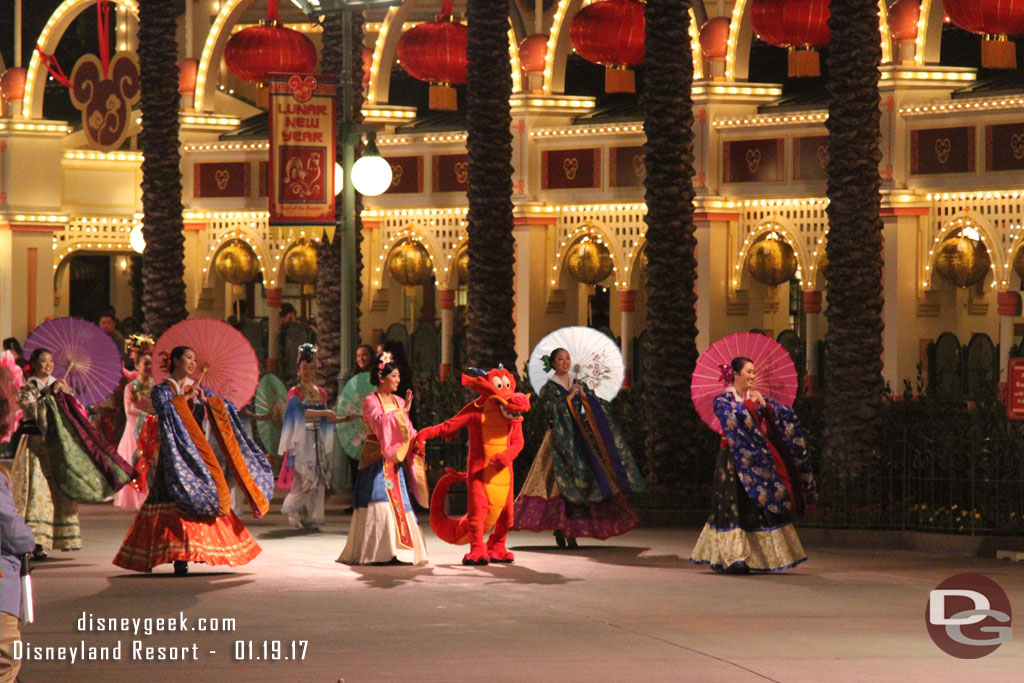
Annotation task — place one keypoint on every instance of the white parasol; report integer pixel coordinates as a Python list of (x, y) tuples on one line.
[(596, 360)]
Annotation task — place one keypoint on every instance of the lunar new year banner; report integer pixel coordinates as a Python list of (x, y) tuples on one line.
[(302, 140)]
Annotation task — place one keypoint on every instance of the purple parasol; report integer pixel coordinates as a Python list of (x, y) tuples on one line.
[(84, 356)]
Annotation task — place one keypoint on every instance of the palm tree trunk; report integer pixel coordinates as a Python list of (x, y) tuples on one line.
[(328, 284), (671, 352), (490, 290), (853, 361), (162, 224)]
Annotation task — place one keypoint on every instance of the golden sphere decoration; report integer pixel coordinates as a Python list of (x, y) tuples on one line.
[(410, 264), (300, 263), (962, 261), (643, 261), (236, 263), (1018, 264), (462, 266), (771, 261), (589, 261)]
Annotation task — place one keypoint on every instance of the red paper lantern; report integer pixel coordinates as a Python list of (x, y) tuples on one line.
[(996, 20), (800, 25), (533, 52), (714, 38), (12, 83), (435, 52), (612, 33), (367, 65), (188, 71), (255, 52), (903, 17)]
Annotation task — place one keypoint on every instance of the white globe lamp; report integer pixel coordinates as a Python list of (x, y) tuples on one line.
[(136, 240), (371, 174)]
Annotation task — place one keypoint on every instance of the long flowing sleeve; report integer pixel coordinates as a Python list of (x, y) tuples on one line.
[(394, 430), (30, 398)]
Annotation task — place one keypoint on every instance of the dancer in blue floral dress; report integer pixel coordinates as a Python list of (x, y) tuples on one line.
[(762, 478)]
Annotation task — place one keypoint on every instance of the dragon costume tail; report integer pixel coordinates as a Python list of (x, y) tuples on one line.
[(448, 529)]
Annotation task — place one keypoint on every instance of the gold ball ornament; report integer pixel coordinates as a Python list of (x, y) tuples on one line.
[(771, 262), (300, 263), (963, 261), (236, 263), (589, 261), (1018, 264), (410, 264)]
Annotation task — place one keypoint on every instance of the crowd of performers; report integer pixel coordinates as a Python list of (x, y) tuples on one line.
[(185, 463)]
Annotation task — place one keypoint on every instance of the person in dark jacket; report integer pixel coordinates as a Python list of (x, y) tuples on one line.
[(16, 540)]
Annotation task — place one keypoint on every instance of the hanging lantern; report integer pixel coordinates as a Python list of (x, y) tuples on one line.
[(12, 83), (188, 71), (611, 33), (799, 25), (236, 263), (255, 52), (533, 51), (963, 261), (300, 263), (902, 20), (589, 261), (714, 45), (435, 52), (462, 266), (410, 264), (367, 65), (996, 20), (772, 261)]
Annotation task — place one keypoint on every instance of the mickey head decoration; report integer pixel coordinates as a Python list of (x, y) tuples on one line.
[(105, 100)]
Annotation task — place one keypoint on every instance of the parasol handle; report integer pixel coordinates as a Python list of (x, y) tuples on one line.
[(68, 371), (206, 368)]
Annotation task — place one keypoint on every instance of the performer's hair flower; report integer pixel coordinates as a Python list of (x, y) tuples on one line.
[(306, 352), (546, 360), (385, 358), (727, 373), (139, 342)]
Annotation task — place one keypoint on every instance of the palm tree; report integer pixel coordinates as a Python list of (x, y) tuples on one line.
[(162, 224), (670, 355), (853, 363), (490, 290), (328, 284)]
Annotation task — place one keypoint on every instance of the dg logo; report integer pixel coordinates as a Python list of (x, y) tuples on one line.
[(968, 616)]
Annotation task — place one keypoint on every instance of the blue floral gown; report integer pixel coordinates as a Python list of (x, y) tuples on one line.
[(762, 478)]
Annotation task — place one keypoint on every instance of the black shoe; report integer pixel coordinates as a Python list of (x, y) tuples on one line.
[(559, 538), (39, 553), (180, 567), (570, 542)]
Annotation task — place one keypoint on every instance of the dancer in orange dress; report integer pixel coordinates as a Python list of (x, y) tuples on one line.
[(187, 516)]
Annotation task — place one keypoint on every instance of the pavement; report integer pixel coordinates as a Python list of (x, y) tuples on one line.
[(630, 608)]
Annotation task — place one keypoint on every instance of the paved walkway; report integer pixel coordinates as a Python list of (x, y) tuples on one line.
[(631, 608)]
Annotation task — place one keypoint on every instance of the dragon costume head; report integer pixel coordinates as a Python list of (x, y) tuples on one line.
[(497, 389)]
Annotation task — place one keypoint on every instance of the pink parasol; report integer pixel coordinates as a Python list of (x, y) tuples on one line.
[(226, 365), (84, 356), (776, 375)]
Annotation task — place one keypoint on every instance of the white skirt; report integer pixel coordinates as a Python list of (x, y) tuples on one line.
[(372, 537)]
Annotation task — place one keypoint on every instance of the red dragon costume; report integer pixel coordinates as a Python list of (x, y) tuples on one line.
[(495, 424)]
